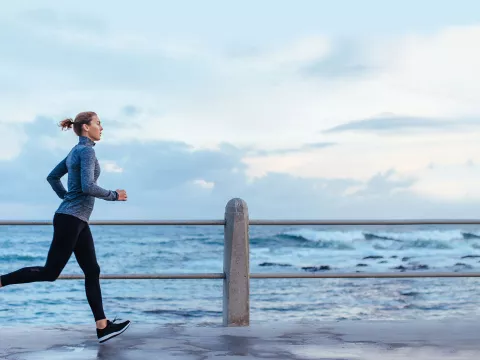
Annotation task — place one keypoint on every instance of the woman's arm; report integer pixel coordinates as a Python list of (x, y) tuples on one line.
[(54, 178), (87, 168)]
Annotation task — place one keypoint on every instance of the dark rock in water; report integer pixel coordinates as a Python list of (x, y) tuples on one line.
[(273, 264), (393, 257), (383, 262), (419, 267), (411, 267), (373, 257), (369, 236), (470, 256), (406, 258), (360, 265), (416, 266), (465, 266), (316, 268)]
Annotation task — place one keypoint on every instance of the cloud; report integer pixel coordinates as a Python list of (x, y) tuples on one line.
[(131, 110), (60, 68), (179, 107), (394, 123), (286, 151), (281, 57), (285, 82), (383, 184), (167, 180), (346, 58), (204, 184), (150, 169), (455, 182), (49, 18), (111, 166)]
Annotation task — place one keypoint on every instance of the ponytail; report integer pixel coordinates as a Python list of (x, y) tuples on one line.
[(66, 124)]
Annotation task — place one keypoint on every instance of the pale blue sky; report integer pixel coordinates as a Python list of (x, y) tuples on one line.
[(306, 109), (252, 21)]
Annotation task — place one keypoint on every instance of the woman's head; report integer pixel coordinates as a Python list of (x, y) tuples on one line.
[(86, 124)]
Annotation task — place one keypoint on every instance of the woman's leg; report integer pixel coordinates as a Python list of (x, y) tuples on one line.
[(87, 259), (65, 234)]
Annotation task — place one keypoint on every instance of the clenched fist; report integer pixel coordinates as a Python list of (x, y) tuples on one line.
[(122, 195)]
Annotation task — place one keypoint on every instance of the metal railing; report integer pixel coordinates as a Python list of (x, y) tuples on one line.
[(236, 263), (261, 222)]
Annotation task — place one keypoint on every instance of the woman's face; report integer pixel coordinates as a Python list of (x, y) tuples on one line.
[(94, 129)]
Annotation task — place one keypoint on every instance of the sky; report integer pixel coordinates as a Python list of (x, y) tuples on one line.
[(304, 109)]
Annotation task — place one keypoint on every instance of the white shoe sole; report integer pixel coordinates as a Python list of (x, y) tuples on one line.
[(109, 336)]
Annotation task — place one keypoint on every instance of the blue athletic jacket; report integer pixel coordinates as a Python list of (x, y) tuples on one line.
[(83, 170)]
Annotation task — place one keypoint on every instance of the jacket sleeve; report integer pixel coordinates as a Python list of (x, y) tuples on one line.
[(54, 178), (87, 169)]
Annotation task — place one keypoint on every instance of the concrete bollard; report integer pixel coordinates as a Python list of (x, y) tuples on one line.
[(236, 265)]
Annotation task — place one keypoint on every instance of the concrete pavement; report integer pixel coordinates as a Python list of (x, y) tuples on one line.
[(373, 340)]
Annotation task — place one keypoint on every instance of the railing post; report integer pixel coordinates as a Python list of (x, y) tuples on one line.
[(236, 265)]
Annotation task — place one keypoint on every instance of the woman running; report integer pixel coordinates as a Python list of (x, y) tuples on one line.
[(70, 222)]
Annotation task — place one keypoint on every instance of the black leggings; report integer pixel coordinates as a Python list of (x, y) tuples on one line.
[(70, 235)]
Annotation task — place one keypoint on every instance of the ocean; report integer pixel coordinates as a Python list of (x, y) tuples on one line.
[(199, 249)]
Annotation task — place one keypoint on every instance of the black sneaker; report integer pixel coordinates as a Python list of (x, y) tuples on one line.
[(112, 330)]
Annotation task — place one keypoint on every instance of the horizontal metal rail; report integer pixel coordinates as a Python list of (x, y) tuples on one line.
[(366, 275), (285, 276), (121, 222), (262, 222), (147, 276), (369, 222)]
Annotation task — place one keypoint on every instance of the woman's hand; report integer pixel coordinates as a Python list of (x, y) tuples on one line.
[(122, 195)]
